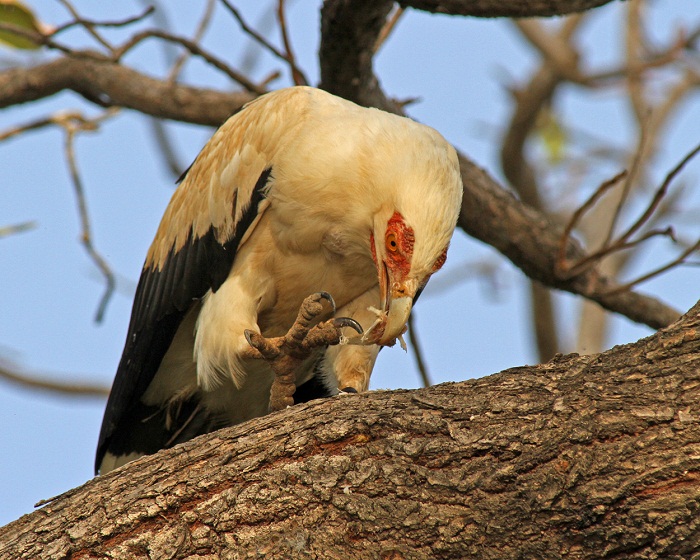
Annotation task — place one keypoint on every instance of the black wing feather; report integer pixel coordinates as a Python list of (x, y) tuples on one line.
[(162, 299)]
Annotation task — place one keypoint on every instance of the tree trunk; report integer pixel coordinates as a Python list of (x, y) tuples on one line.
[(582, 457)]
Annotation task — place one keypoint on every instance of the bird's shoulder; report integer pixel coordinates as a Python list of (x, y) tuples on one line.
[(217, 188)]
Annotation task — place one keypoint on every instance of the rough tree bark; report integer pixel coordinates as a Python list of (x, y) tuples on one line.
[(582, 457)]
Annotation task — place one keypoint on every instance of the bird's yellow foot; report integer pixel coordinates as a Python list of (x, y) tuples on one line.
[(285, 353)]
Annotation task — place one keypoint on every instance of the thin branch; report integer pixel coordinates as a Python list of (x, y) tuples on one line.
[(417, 352), (194, 48), (555, 48), (681, 259), (88, 26), (34, 382), (197, 37), (162, 139), (42, 40), (530, 102), (33, 125), (563, 268), (13, 229), (297, 75), (658, 196), (166, 147), (250, 31), (634, 50), (79, 21), (261, 40), (629, 180), (563, 58), (86, 233), (389, 27)]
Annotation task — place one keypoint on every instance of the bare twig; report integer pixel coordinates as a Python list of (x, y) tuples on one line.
[(634, 51), (530, 101), (681, 259), (14, 375), (658, 196), (166, 147), (417, 352), (14, 229), (160, 133), (629, 179), (556, 48), (197, 37), (88, 26), (195, 49), (297, 76), (561, 55), (261, 40), (566, 270), (563, 268), (389, 26), (33, 125), (44, 40), (86, 235), (271, 77), (80, 21)]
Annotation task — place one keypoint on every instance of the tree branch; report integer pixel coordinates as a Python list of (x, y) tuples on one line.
[(582, 457), (108, 83), (523, 234), (349, 33), (504, 8), (14, 375), (489, 213), (531, 241)]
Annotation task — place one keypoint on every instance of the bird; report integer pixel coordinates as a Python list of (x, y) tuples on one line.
[(291, 252)]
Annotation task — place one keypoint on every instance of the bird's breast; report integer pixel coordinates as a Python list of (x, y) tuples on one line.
[(309, 257)]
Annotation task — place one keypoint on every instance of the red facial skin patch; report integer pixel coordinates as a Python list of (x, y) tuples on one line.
[(399, 240), (440, 261)]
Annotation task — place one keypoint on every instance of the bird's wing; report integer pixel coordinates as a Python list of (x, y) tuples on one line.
[(211, 213)]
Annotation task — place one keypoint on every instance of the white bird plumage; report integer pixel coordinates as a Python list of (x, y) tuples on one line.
[(300, 192)]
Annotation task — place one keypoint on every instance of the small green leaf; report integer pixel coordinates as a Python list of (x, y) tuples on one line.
[(15, 13), (552, 135)]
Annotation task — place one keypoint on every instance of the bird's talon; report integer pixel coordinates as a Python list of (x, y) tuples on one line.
[(347, 391), (340, 322), (248, 333), (329, 298)]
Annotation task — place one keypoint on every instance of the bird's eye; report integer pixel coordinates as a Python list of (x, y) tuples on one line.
[(392, 243)]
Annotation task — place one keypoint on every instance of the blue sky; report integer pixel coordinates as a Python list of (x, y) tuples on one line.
[(460, 68)]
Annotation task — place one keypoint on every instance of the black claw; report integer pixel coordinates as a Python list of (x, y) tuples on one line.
[(247, 333), (329, 298), (349, 390), (340, 322)]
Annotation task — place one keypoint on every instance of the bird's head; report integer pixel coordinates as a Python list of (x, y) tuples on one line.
[(399, 284), (412, 231), (390, 187)]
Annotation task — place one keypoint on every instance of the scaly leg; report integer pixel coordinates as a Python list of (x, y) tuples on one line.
[(286, 353)]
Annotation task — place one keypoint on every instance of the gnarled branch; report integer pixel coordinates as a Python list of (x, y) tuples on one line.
[(583, 457)]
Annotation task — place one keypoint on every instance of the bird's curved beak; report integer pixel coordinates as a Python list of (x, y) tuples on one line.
[(397, 303), (396, 319)]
